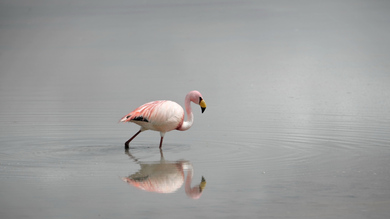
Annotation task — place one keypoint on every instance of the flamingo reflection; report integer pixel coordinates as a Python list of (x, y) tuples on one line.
[(165, 177)]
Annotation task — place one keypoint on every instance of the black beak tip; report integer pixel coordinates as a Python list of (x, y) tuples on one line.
[(203, 109)]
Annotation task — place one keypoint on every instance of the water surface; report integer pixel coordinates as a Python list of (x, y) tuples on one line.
[(296, 125)]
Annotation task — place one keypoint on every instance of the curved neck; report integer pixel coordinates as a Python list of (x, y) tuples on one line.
[(196, 191), (190, 117), (187, 185)]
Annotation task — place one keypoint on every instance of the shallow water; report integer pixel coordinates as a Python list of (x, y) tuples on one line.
[(296, 125)]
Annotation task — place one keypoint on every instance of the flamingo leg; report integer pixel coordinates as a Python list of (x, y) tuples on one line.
[(161, 142), (161, 154), (128, 141)]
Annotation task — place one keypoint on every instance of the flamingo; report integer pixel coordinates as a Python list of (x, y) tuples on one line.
[(164, 115), (165, 177)]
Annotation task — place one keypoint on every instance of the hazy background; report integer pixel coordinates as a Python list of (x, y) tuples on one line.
[(298, 96)]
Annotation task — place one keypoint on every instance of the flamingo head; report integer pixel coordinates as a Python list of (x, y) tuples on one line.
[(196, 97), (196, 191)]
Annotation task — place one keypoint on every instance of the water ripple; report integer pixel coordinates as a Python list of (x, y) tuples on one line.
[(292, 147)]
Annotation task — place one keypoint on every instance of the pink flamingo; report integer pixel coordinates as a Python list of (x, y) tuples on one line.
[(165, 177), (164, 115)]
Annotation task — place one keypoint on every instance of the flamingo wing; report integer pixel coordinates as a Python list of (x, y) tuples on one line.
[(162, 115), (142, 113)]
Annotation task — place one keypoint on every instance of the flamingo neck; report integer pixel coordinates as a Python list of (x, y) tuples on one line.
[(194, 192), (190, 117), (187, 185)]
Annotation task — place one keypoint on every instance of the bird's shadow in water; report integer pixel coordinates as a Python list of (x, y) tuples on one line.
[(164, 176)]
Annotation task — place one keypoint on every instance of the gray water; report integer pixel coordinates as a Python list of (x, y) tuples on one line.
[(297, 121)]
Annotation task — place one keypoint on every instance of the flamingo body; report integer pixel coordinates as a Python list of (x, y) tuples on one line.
[(164, 115), (160, 115), (165, 177)]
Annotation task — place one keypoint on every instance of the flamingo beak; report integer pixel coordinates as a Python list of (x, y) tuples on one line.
[(202, 105), (202, 184)]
